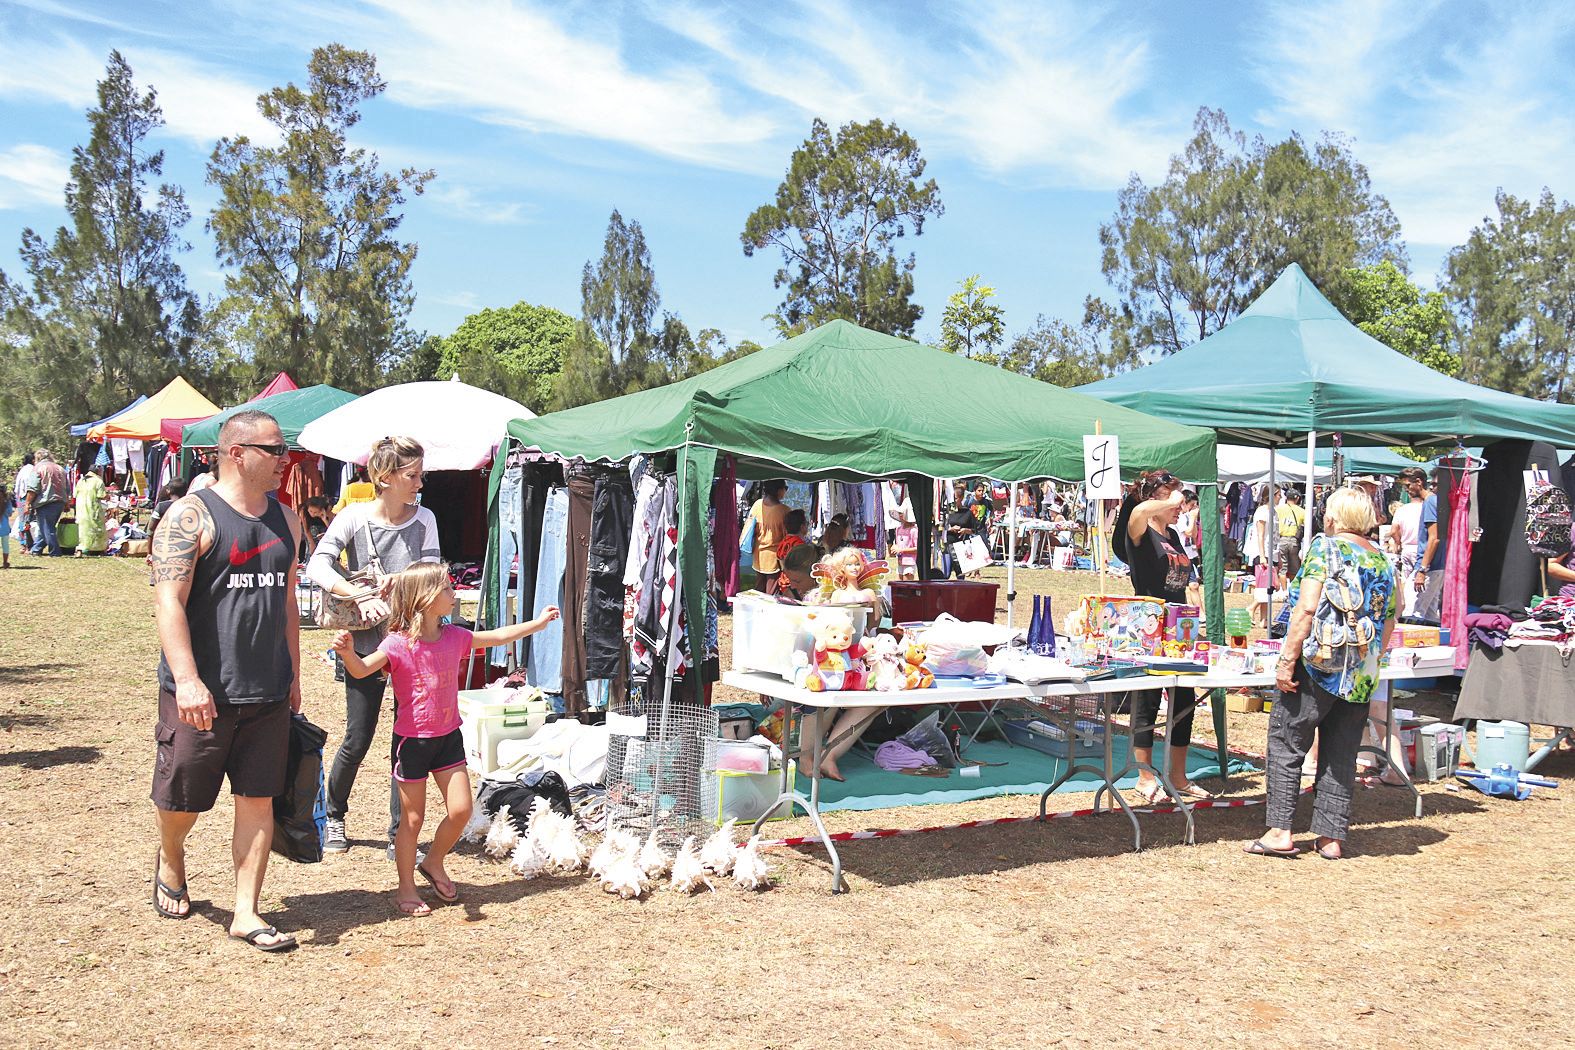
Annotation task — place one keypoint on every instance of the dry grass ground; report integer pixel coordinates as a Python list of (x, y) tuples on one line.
[(1453, 927)]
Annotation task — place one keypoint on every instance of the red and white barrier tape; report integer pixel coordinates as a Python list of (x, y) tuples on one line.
[(891, 833)]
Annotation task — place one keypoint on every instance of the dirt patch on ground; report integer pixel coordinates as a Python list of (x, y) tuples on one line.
[(1452, 926)]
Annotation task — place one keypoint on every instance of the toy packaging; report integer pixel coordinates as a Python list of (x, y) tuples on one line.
[(1122, 623)]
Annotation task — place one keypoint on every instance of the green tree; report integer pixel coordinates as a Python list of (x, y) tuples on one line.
[(105, 312), (318, 281), (973, 321), (1383, 302), (1053, 351), (838, 213), (516, 351), (1188, 255), (1512, 286), (588, 371)]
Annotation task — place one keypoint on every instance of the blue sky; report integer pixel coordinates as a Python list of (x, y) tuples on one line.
[(540, 118)]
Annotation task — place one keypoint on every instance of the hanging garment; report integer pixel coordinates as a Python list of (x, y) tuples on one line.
[(511, 595), (582, 489), (612, 516), (659, 592), (724, 541), (546, 648), (1457, 568)]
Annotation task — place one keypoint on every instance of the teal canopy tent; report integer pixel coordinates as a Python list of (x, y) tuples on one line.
[(845, 402), (292, 408), (1359, 460)]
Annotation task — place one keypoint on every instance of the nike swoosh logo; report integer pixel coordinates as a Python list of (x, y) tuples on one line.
[(240, 557)]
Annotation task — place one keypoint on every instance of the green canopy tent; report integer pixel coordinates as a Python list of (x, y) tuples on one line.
[(292, 408), (847, 403), (1359, 460)]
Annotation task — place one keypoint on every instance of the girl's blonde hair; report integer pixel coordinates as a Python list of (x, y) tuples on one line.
[(389, 456), (413, 592)]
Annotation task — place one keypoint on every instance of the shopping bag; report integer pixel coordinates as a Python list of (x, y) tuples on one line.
[(971, 554), (300, 813)]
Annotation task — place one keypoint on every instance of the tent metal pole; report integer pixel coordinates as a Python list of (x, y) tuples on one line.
[(1312, 445), (1271, 541), (674, 639), (1011, 557)]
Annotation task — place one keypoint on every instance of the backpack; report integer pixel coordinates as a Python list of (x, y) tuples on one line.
[(1343, 628), (1548, 521)]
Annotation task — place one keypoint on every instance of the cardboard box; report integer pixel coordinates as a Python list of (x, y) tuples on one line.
[(1243, 703)]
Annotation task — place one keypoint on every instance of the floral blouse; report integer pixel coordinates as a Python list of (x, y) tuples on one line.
[(1356, 676)]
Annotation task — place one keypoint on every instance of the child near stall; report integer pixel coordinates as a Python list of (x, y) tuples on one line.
[(423, 656), (316, 515)]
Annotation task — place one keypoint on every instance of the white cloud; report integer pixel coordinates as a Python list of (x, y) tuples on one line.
[(200, 102), (1439, 129), (465, 202), (31, 175)]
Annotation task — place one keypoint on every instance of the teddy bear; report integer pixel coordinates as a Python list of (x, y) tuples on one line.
[(838, 662), (916, 675), (887, 669)]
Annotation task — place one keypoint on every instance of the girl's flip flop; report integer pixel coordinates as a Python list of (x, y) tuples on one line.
[(447, 898)]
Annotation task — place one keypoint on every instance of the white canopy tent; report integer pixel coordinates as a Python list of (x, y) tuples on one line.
[(1260, 466), (459, 425)]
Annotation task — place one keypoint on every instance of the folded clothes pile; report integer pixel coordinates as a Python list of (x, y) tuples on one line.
[(1551, 619)]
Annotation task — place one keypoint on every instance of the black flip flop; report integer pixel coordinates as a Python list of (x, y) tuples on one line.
[(173, 894), (1258, 849), (284, 944), (1322, 851), (446, 899)]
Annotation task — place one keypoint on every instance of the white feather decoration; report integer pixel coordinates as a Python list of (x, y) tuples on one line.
[(477, 826), (688, 873), (717, 853), (653, 861), (556, 837), (502, 836), (749, 867), (624, 877)]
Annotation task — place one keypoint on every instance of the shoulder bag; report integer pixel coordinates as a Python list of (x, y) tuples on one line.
[(340, 613)]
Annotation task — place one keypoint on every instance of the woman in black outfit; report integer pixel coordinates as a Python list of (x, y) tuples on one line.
[(1146, 540)]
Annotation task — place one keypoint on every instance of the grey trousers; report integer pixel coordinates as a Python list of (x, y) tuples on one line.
[(1339, 725)]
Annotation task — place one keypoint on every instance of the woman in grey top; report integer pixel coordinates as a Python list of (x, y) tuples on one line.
[(402, 534)]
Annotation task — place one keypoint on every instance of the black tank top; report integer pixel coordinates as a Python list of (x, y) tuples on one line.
[(236, 608), (1160, 569)]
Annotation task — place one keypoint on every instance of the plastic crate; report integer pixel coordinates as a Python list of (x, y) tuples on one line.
[(1088, 738), (484, 721), (726, 795), (770, 636)]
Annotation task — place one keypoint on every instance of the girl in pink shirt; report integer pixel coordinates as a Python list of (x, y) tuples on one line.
[(423, 657)]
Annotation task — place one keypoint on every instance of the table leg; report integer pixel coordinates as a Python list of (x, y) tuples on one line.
[(790, 796), (1392, 739)]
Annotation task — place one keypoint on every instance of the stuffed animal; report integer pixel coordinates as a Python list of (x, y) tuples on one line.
[(888, 673), (916, 675), (838, 662)]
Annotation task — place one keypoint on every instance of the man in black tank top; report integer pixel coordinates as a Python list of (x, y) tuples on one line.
[(229, 673)]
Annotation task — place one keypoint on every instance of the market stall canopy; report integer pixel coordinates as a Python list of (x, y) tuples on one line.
[(82, 429), (171, 429), (1251, 465), (293, 408), (1373, 461), (458, 425), (178, 400), (1291, 364), (843, 401)]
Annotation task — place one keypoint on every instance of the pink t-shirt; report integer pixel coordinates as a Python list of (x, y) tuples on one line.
[(907, 536), (426, 681)]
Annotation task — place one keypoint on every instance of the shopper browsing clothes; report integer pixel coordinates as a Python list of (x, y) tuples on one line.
[(1146, 539), (423, 655), (229, 673), (1342, 615), (765, 525), (388, 534)]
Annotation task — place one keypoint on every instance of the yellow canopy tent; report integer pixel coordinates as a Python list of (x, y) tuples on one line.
[(178, 400)]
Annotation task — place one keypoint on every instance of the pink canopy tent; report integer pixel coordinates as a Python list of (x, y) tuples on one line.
[(170, 429)]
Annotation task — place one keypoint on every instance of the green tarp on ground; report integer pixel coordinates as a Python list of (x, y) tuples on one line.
[(293, 409), (1291, 364)]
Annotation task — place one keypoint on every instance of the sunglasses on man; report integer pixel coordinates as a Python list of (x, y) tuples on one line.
[(273, 450)]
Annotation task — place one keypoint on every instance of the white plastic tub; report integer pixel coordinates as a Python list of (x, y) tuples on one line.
[(767, 635), (490, 715)]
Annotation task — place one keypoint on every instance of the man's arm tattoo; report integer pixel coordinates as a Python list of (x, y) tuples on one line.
[(178, 541)]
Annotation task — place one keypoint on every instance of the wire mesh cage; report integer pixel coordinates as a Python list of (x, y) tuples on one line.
[(656, 765)]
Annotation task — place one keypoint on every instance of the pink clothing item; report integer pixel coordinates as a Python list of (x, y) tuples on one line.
[(1457, 566), (425, 676), (907, 536)]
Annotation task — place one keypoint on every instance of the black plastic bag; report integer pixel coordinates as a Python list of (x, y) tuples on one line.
[(928, 737), (519, 795), (300, 813)]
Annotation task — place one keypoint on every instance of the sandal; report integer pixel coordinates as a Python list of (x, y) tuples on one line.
[(1152, 794), (1328, 850), (1193, 791), (283, 944), (1257, 849), (447, 898), (415, 907), (172, 894)]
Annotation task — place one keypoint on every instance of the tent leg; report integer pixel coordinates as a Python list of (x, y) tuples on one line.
[(1271, 542), (1312, 445), (1011, 557)]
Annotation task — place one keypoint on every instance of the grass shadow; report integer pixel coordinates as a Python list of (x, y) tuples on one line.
[(29, 674), (59, 756)]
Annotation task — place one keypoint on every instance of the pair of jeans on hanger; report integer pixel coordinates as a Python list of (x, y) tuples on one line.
[(546, 645), (511, 595)]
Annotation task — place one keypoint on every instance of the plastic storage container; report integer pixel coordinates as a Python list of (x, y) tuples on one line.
[(740, 756), (1503, 743), (767, 634), (484, 720), (920, 600), (743, 797), (1437, 751), (1087, 738)]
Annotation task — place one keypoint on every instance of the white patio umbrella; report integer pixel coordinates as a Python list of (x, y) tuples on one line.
[(458, 425)]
